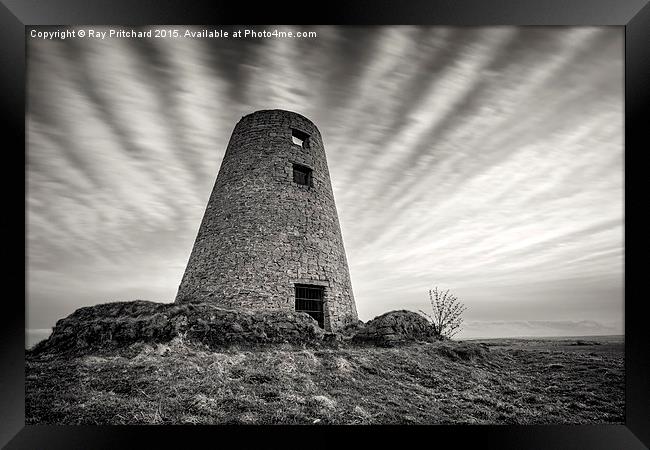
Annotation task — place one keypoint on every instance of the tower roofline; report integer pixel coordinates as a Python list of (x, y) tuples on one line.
[(264, 111)]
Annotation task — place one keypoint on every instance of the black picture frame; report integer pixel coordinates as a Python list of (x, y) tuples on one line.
[(15, 15)]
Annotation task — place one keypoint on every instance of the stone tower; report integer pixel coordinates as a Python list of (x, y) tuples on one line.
[(270, 237)]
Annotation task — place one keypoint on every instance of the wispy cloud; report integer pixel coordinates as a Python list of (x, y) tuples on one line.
[(487, 160)]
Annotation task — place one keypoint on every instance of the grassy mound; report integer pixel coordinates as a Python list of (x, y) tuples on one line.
[(111, 326), (151, 363), (117, 325), (396, 327)]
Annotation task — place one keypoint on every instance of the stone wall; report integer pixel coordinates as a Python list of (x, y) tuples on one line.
[(262, 233)]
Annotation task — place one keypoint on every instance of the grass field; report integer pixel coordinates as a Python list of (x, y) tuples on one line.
[(492, 381)]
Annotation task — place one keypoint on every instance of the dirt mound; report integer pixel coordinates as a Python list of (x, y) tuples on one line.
[(394, 328), (463, 351), (120, 324)]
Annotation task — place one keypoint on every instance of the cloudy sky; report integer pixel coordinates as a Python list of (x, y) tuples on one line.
[(484, 160)]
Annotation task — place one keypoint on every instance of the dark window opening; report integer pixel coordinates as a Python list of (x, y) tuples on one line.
[(309, 299), (302, 174), (300, 138)]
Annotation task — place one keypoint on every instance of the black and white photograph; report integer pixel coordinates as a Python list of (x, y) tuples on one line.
[(324, 225)]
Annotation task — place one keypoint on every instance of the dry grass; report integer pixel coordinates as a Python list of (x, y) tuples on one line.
[(504, 382)]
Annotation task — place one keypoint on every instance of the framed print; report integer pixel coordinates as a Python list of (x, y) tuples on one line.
[(404, 220)]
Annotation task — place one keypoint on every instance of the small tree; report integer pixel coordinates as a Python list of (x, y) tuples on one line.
[(447, 313)]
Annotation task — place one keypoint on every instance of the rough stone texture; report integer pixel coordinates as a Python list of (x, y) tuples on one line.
[(121, 324), (262, 233), (396, 327)]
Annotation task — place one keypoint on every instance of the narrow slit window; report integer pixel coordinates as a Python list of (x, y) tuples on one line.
[(309, 299), (299, 138), (302, 175)]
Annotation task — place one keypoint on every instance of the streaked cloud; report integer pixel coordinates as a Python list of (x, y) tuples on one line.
[(485, 160)]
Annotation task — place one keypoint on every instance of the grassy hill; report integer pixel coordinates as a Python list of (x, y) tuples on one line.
[(185, 382)]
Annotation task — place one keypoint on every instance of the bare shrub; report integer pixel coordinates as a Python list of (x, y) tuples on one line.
[(447, 313)]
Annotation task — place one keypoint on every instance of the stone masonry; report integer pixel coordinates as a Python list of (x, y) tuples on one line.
[(263, 232)]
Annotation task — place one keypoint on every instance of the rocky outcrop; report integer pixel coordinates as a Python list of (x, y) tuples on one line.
[(396, 327), (120, 324)]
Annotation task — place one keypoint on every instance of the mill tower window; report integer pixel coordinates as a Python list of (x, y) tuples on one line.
[(302, 175), (300, 138)]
